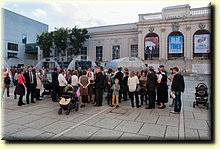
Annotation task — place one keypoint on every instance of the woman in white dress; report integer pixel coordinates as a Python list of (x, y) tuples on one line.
[(39, 77)]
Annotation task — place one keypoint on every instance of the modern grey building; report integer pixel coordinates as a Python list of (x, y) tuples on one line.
[(19, 38)]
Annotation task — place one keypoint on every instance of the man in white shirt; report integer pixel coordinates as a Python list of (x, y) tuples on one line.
[(62, 81)]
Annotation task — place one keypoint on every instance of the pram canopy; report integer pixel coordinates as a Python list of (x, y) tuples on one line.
[(69, 89), (201, 89)]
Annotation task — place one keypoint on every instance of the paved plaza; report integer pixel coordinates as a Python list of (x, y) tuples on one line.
[(40, 121)]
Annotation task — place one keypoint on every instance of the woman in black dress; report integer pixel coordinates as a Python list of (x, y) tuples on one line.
[(91, 93), (162, 89)]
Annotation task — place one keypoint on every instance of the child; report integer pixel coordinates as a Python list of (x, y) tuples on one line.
[(115, 93)]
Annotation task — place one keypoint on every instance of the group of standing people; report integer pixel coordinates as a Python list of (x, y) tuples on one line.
[(90, 84), (148, 85), (29, 82)]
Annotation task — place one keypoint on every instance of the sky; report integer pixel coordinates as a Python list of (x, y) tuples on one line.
[(84, 14)]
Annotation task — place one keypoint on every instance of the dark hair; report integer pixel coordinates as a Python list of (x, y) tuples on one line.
[(151, 68), (75, 72), (61, 70), (119, 68), (126, 72), (55, 69), (84, 72), (20, 70), (161, 66), (171, 68), (101, 68), (176, 68), (109, 71)]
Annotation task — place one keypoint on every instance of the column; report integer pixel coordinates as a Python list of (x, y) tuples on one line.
[(140, 45), (188, 47), (163, 46)]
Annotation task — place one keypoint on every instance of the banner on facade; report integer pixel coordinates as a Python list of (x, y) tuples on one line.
[(201, 43), (151, 45), (175, 44)]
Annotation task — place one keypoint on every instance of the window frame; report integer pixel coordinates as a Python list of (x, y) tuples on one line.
[(203, 56), (174, 56), (134, 50), (119, 50), (99, 55), (152, 56)]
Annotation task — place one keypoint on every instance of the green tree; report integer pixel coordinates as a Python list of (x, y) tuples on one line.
[(62, 39), (60, 36), (45, 41), (77, 38)]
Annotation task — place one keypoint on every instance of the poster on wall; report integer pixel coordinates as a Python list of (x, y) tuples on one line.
[(201, 43), (175, 44), (151, 45)]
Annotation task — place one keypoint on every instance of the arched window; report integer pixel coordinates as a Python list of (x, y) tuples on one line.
[(151, 46), (175, 45), (201, 44)]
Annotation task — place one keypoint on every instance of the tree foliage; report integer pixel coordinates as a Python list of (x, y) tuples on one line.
[(45, 41), (77, 38), (62, 38)]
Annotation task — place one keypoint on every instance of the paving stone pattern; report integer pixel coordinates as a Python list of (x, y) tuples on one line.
[(40, 121)]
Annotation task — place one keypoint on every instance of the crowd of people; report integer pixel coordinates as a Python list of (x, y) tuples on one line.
[(148, 87)]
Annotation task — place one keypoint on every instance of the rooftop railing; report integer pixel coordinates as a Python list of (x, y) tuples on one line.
[(195, 12), (204, 11)]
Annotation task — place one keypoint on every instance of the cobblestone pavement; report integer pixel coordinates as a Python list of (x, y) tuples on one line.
[(40, 121)]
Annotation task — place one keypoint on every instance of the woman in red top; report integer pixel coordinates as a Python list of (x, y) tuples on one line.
[(20, 88)]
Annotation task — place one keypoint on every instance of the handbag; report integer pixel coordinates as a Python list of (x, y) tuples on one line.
[(138, 88), (78, 92)]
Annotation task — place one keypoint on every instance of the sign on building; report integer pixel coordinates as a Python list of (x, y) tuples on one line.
[(175, 44), (201, 43), (151, 45)]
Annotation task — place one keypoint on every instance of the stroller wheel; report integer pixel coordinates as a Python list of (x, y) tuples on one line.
[(67, 112), (77, 107), (60, 111), (194, 104)]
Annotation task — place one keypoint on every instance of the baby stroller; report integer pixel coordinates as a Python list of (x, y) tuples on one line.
[(68, 100), (201, 95), (47, 88)]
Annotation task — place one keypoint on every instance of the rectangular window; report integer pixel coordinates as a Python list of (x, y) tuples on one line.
[(12, 55), (83, 52), (12, 46), (115, 52), (99, 53), (134, 50), (24, 39)]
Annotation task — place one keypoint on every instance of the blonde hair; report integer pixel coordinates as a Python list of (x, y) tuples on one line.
[(132, 74)]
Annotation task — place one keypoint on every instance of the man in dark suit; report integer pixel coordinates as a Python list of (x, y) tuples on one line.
[(178, 86), (119, 75), (99, 86), (31, 83), (55, 85), (151, 87)]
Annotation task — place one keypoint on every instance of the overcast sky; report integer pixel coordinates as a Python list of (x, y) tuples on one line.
[(58, 13)]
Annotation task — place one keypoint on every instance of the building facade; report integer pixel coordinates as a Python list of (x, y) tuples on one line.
[(19, 35), (177, 36)]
